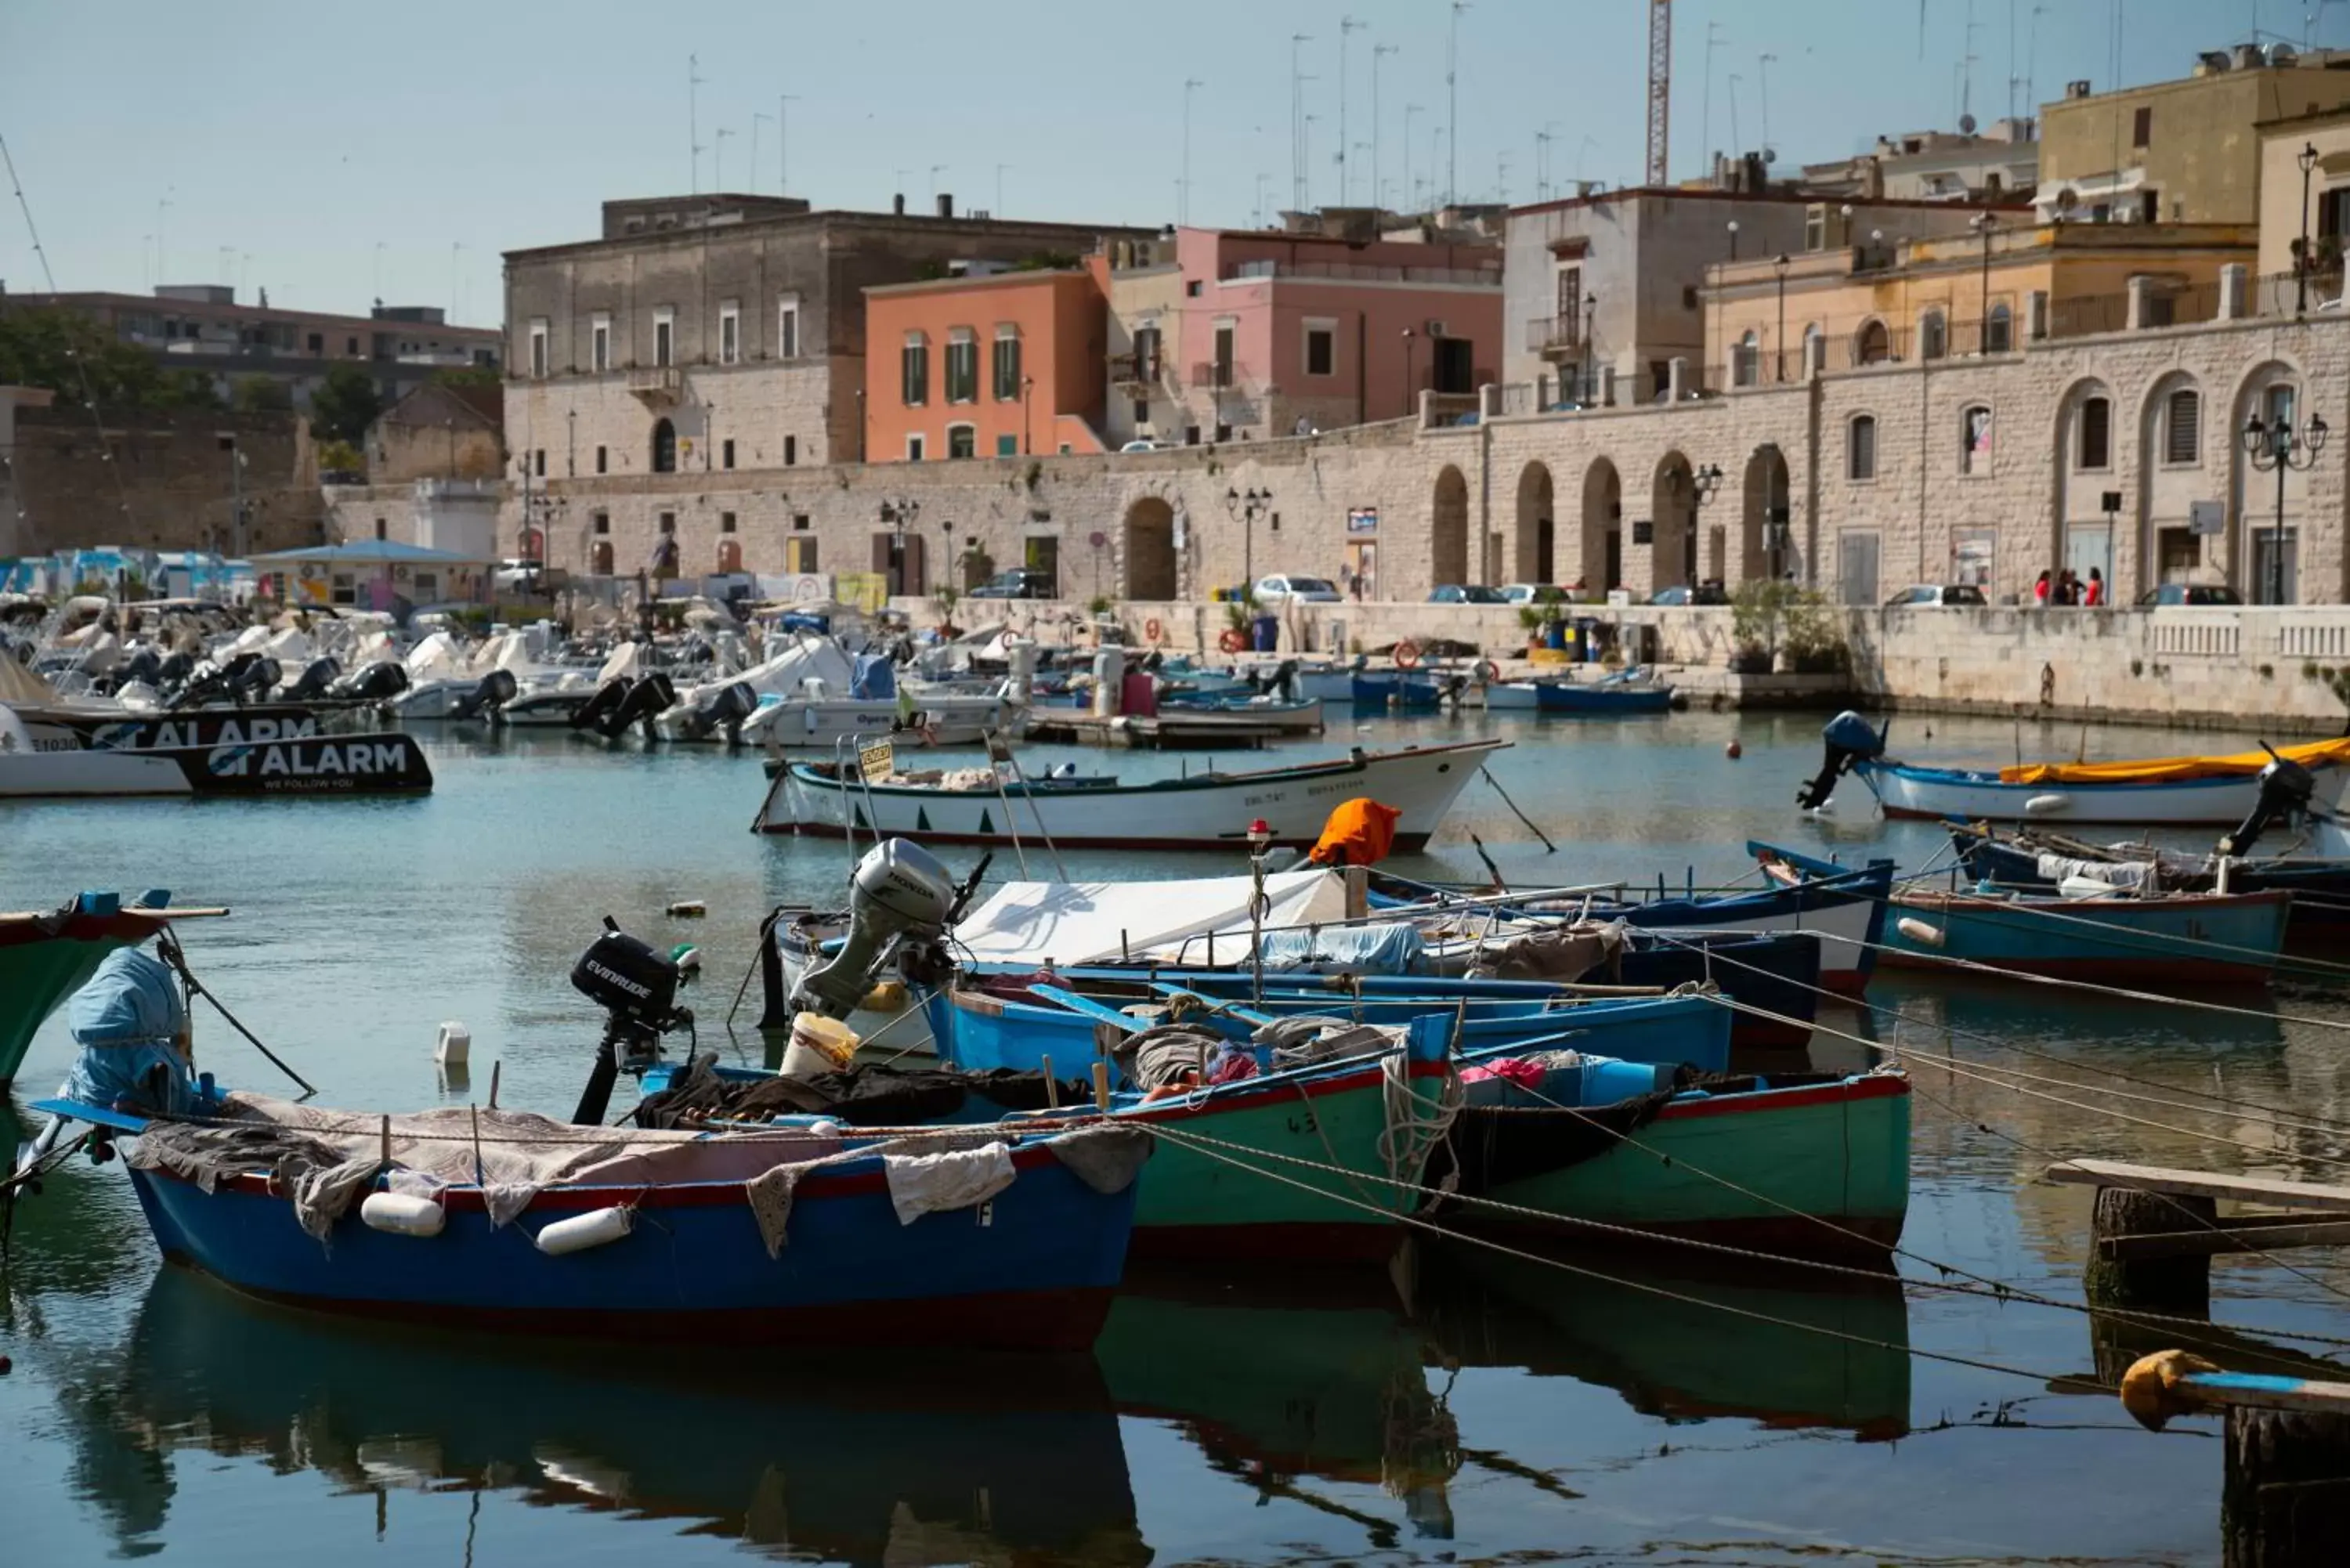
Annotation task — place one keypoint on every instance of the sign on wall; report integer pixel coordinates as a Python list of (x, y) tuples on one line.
[(1362, 520), (1644, 530), (866, 591), (2207, 519)]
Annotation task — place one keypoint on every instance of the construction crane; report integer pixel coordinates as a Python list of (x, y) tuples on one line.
[(1660, 88)]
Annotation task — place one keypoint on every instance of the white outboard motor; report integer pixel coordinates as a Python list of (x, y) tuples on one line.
[(899, 899)]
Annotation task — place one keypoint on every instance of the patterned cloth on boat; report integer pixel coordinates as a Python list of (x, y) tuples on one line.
[(1563, 955), (132, 1027)]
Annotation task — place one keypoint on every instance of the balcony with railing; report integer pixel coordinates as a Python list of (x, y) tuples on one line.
[(1220, 374), (1558, 337), (1140, 370), (1349, 272)]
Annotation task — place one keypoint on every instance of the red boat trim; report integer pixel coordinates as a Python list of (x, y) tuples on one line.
[(126, 926)]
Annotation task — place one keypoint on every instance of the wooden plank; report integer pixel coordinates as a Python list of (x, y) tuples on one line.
[(2260, 1391), (2259, 1234), (2201, 1184)]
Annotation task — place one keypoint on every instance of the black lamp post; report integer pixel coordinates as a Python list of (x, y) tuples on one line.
[(1984, 224), (1248, 507), (1027, 385), (1703, 482), (1590, 319), (2308, 161), (1733, 239), (1779, 343), (1408, 403), (901, 516), (2277, 446)]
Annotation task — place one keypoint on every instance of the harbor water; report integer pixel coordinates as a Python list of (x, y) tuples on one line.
[(1478, 1407)]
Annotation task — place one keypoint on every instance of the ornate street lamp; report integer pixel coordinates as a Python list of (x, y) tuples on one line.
[(1248, 507), (2277, 446), (2308, 161)]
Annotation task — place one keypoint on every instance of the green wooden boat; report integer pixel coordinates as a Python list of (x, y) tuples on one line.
[(1757, 1162), (45, 957)]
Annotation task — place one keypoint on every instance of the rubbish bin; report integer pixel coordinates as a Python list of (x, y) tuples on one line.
[(1554, 634), (1586, 638), (1268, 634)]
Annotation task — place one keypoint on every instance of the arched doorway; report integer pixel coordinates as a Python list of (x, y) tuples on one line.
[(1150, 550), (1766, 526), (1673, 508), (1603, 528), (533, 545), (730, 556), (1873, 346), (1537, 555), (599, 559), (1449, 529), (664, 447)]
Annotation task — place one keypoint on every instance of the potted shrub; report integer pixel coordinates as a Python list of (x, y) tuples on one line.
[(1757, 614)]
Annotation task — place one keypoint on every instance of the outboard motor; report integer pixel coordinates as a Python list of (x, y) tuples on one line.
[(725, 708), (251, 677), (145, 665), (590, 714), (494, 690), (374, 682), (1850, 740), (205, 683), (899, 902), (652, 696), (637, 988), (318, 679), (2286, 787), (175, 670)]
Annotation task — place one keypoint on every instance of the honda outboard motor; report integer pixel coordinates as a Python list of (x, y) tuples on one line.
[(494, 690), (725, 708), (373, 682), (1850, 740), (652, 696), (637, 988), (317, 680), (899, 902), (2286, 787)]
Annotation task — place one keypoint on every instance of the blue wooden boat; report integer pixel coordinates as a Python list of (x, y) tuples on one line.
[(2171, 941), (1412, 690), (1602, 698), (2321, 887), (1031, 1269)]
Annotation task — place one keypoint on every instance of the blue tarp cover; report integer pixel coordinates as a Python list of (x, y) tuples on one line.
[(875, 678), (129, 1021)]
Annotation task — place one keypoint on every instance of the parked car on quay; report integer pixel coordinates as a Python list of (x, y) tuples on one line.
[(518, 576), (1147, 443), (1019, 583), (1949, 594), (1533, 594), (1285, 589), (1705, 593), (1466, 594), (2190, 593)]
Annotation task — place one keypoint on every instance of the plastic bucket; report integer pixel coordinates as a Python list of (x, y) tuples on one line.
[(818, 1045)]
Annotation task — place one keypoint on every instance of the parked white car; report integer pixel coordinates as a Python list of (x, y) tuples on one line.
[(1284, 589), (1531, 593), (1147, 443), (1937, 594)]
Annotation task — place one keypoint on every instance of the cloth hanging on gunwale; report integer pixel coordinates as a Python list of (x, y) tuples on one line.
[(857, 1096), (1490, 1146)]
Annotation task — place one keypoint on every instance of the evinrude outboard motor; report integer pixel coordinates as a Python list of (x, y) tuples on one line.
[(373, 682), (725, 708), (900, 899), (494, 691), (2286, 787), (317, 680), (1850, 740), (637, 988)]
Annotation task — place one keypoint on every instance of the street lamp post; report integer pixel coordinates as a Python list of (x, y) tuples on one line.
[(1733, 239), (1406, 373), (1248, 507), (1706, 480), (1027, 385), (2276, 445), (1779, 343), (901, 514), (2308, 161), (1984, 224)]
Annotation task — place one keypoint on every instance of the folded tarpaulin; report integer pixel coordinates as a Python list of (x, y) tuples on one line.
[(2174, 770), (1388, 947), (875, 678)]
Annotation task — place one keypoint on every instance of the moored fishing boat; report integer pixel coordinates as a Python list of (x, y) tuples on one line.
[(1201, 810), (46, 956), (1612, 697), (2164, 941), (2153, 792)]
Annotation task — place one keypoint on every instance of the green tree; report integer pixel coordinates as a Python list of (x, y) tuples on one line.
[(344, 405), (187, 389), (71, 355), (340, 457), (470, 376), (261, 395)]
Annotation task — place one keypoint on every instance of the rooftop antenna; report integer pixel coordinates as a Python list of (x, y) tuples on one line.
[(718, 170), (1737, 148), (1411, 189), (1297, 41), (693, 118), (753, 183), (1542, 161), (1967, 58), (1376, 50), (1452, 104), (1762, 72), (1661, 92), (936, 169), (1345, 24), (782, 142), (162, 204), (1183, 190)]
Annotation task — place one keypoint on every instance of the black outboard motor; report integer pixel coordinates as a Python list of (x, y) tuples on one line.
[(206, 683), (175, 670), (637, 988), (725, 708), (651, 696), (590, 714), (1849, 739), (318, 679), (2286, 787), (494, 690), (251, 677), (145, 665), (374, 682)]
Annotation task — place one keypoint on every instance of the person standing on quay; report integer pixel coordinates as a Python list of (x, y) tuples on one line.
[(2093, 594), (2040, 589)]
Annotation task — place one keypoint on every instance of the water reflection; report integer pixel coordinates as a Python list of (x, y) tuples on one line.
[(878, 1454)]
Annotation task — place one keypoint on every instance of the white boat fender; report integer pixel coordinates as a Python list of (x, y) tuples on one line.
[(2047, 805), (824, 1128), (400, 1214), (582, 1231), (688, 909), (1919, 932), (453, 1046)]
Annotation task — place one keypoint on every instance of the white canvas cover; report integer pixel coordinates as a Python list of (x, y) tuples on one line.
[(1095, 922), (20, 684)]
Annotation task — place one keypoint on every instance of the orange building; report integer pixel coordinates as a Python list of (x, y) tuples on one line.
[(1001, 364)]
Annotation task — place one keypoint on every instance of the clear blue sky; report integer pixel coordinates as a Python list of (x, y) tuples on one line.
[(334, 151)]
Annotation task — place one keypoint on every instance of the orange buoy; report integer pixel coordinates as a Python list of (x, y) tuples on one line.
[(1733, 750)]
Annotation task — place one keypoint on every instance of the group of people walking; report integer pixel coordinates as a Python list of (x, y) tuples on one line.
[(2064, 588)]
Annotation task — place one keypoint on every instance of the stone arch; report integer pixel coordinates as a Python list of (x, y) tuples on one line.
[(1766, 522), (1603, 526), (2253, 495), (1151, 564), (664, 447), (1672, 511), (1449, 529), (600, 558), (1538, 556), (2074, 493), (2162, 547), (1873, 344)]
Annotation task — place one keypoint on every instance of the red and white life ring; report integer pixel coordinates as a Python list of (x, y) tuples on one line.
[(1488, 672), (1406, 655), (1232, 641), (1153, 630)]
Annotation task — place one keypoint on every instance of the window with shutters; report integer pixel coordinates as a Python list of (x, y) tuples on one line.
[(2096, 447), (2142, 127), (1998, 332), (599, 341), (914, 371), (787, 328), (1933, 335), (729, 332), (2182, 427), (1860, 447), (1146, 354), (962, 442), (538, 349), (962, 365), (2333, 213), (1005, 366), (1321, 348), (665, 336)]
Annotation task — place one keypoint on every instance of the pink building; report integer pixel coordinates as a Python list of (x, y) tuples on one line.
[(1245, 334)]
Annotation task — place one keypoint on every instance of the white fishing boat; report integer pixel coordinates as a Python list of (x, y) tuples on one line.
[(1200, 811), (812, 692)]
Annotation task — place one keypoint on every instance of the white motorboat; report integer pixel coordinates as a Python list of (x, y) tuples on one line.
[(812, 692), (1202, 811), (40, 765)]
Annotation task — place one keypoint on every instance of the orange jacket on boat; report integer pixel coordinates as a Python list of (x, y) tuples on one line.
[(1360, 832)]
